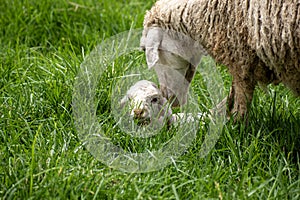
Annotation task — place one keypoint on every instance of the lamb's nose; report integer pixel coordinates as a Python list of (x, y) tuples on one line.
[(138, 112)]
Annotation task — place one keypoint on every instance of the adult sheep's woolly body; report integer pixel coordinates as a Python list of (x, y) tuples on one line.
[(259, 40)]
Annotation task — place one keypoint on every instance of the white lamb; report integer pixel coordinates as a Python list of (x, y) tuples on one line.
[(147, 104)]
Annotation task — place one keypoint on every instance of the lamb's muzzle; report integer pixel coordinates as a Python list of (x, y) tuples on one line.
[(138, 113)]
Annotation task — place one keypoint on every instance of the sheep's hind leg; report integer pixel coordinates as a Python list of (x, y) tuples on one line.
[(240, 97)]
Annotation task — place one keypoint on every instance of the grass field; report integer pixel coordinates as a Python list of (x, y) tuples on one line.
[(43, 44)]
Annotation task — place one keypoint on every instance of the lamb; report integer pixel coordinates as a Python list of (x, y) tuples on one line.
[(147, 104), (259, 42)]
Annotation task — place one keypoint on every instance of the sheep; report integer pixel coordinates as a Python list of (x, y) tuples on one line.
[(147, 104), (259, 42)]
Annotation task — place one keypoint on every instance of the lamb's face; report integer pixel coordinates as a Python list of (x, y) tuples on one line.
[(146, 102)]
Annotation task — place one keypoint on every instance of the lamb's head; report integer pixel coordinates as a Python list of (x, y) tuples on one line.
[(174, 57), (146, 103)]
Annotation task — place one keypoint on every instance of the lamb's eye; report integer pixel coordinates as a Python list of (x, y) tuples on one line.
[(154, 100)]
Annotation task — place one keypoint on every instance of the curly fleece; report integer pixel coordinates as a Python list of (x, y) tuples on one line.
[(259, 41)]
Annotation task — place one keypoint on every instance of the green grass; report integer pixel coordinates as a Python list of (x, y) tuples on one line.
[(41, 157)]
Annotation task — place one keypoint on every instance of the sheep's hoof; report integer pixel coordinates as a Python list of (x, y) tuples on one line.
[(239, 114)]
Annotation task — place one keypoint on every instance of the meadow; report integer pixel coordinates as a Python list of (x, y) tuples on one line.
[(43, 44)]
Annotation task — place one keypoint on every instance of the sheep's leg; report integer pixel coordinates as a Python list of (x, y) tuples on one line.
[(240, 96)]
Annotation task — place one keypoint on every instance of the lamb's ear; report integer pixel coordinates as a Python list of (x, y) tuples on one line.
[(123, 101), (150, 42), (154, 85)]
